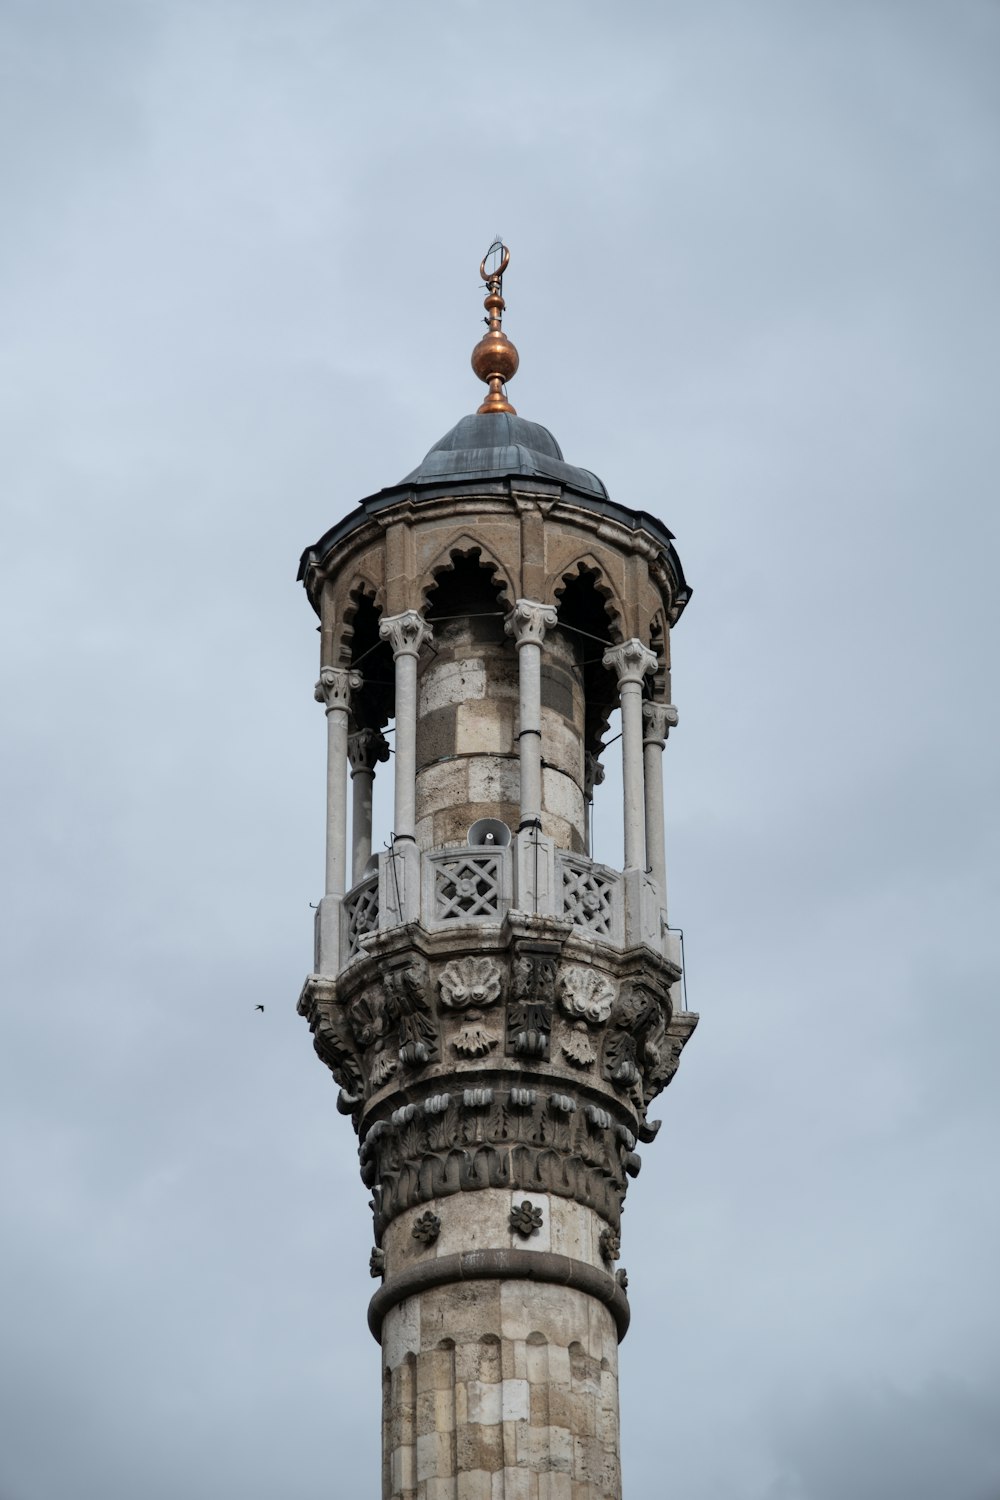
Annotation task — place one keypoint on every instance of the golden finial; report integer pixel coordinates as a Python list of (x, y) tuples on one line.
[(494, 358)]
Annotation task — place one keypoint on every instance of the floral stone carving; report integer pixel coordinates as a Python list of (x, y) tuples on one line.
[(525, 1219), (578, 1048), (586, 994), (610, 1246), (474, 1040), (376, 1264), (427, 1228), (470, 983)]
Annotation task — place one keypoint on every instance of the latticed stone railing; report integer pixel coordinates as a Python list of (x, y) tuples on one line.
[(466, 885), (591, 896), (361, 913), (459, 886)]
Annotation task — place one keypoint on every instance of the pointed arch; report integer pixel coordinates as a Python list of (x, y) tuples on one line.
[(586, 570), (466, 548)]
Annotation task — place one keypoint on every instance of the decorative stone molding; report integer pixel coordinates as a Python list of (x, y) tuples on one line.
[(525, 1219), (471, 983), (427, 1228), (514, 1138), (365, 749), (502, 1265), (376, 1264), (630, 661), (657, 721), (586, 994), (528, 622), (335, 686), (406, 633)]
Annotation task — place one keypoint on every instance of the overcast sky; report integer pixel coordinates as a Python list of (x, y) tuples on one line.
[(754, 287)]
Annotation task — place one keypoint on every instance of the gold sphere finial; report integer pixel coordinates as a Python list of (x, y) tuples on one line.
[(494, 358)]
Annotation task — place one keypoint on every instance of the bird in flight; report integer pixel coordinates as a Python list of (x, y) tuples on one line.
[(258, 1007)]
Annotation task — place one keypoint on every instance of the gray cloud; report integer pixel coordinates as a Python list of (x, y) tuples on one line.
[(761, 241)]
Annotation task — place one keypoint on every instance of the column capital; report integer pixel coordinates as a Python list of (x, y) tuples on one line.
[(406, 633), (528, 622), (657, 721), (335, 686), (630, 661), (365, 749)]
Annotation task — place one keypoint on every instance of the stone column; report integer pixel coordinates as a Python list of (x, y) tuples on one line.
[(630, 662), (364, 750), (658, 720), (334, 689), (406, 633), (527, 623)]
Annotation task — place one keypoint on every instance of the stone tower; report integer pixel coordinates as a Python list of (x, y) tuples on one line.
[(498, 1010)]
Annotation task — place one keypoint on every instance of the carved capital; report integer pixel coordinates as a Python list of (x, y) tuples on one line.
[(335, 686), (630, 661), (657, 721), (365, 749), (406, 633), (528, 622)]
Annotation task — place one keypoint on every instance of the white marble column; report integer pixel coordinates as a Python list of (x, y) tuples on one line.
[(365, 749), (334, 690), (527, 623), (406, 633), (658, 720), (630, 662)]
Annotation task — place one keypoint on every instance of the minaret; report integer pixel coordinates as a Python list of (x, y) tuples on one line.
[(498, 1010)]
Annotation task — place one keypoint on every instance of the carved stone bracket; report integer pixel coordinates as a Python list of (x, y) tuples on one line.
[(532, 996)]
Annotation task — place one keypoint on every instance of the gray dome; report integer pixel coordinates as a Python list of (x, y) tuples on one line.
[(496, 443)]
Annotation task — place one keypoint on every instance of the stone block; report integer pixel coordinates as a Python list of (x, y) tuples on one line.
[(484, 1401), (473, 1484), (448, 683), (435, 1455), (516, 1400), (401, 1332)]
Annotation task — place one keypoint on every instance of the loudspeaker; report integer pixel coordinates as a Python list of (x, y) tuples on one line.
[(489, 832)]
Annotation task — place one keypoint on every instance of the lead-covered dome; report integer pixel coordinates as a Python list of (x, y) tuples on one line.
[(496, 443)]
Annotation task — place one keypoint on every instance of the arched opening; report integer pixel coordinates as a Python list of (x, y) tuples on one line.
[(590, 622), (373, 705)]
